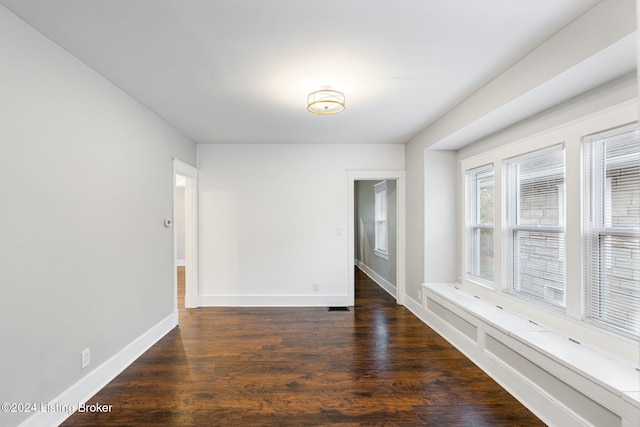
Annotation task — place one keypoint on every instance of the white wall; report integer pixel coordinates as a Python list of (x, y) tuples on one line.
[(274, 220), (415, 250), (86, 181), (440, 230)]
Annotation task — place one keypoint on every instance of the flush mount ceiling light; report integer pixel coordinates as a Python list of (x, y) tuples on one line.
[(325, 101)]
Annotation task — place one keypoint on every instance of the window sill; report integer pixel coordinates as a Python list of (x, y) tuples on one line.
[(519, 299), (477, 280), (381, 254)]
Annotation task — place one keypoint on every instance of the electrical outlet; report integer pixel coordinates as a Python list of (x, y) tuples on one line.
[(86, 357), (316, 287)]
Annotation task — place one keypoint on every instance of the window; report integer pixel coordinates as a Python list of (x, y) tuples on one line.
[(380, 217), (535, 221), (553, 220), (612, 229), (480, 213)]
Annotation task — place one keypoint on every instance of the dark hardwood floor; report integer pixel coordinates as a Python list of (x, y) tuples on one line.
[(376, 365)]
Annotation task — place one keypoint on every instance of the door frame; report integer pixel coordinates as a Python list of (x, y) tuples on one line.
[(191, 292), (373, 175)]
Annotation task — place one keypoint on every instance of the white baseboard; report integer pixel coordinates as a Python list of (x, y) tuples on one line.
[(381, 281), (273, 300), (417, 308), (94, 381), (180, 262)]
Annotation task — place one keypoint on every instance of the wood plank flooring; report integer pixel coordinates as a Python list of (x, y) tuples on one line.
[(375, 365)]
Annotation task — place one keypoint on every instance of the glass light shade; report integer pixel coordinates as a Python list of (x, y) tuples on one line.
[(325, 101)]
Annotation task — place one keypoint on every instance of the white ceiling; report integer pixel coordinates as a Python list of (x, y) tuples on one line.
[(240, 71)]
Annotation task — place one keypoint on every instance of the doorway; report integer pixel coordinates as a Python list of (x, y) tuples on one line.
[(399, 178), (375, 229), (185, 203)]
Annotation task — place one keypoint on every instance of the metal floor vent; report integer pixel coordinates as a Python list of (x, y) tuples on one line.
[(338, 308)]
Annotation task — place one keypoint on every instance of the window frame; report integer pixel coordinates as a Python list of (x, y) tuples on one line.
[(476, 179), (512, 262), (597, 227), (381, 220)]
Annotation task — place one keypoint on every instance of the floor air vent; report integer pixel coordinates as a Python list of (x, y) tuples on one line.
[(338, 308)]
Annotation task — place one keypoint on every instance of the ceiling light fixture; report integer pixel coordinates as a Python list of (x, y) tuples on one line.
[(325, 101)]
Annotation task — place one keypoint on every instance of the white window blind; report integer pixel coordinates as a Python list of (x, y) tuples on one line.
[(535, 221), (380, 216), (612, 229), (480, 220)]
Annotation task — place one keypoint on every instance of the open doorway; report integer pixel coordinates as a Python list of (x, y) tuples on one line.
[(385, 180), (375, 228), (185, 204)]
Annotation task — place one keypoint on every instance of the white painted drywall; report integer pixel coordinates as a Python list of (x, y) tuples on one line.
[(274, 220), (415, 170), (440, 220), (86, 179)]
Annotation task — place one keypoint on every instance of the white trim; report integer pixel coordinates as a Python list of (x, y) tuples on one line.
[(180, 262), (94, 381), (381, 218), (274, 300), (366, 175), (380, 281), (191, 261)]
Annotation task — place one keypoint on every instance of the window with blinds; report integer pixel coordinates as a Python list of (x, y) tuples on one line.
[(480, 220), (535, 189), (612, 229)]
